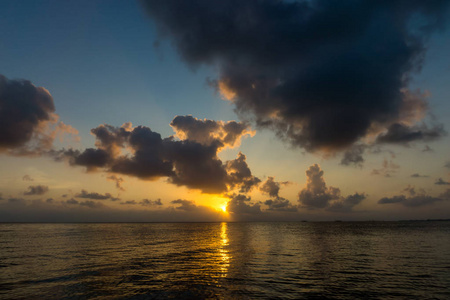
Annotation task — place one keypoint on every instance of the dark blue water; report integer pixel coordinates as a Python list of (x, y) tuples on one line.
[(378, 260)]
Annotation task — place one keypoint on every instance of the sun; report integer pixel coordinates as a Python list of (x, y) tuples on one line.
[(224, 208)]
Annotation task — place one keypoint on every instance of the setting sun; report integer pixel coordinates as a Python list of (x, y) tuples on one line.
[(224, 208)]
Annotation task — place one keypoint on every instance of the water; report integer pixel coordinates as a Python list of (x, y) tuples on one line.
[(339, 260)]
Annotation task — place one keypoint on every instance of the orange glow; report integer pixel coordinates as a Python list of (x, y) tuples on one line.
[(226, 92)]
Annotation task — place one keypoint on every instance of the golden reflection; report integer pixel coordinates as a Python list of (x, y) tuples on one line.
[(223, 251)]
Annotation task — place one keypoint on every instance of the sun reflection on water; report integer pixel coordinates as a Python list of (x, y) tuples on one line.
[(223, 251)]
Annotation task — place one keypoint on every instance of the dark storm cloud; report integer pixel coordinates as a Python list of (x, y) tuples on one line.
[(441, 181), (316, 194), (95, 196), (322, 74), (354, 156), (36, 190), (143, 153)]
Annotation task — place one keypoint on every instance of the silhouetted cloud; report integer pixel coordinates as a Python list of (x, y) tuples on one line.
[(316, 194), (441, 181), (321, 74), (354, 156), (95, 196), (280, 204), (118, 180), (240, 175), (402, 134), (388, 169), (417, 175), (27, 177), (28, 124), (36, 190), (346, 204), (209, 132), (240, 204), (140, 152), (147, 202), (415, 199), (272, 188)]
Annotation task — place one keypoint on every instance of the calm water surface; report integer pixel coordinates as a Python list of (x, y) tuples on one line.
[(340, 260)]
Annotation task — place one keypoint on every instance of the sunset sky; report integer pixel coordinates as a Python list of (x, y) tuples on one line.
[(224, 110)]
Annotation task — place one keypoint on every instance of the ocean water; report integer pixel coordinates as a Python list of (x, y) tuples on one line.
[(336, 260)]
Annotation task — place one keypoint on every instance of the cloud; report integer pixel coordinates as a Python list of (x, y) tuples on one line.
[(240, 175), (322, 74), (147, 202), (27, 177), (36, 190), (346, 204), (143, 153), (118, 180), (280, 204), (402, 134), (440, 181), (28, 124), (388, 169), (354, 156), (95, 196), (209, 132), (447, 165), (270, 187), (417, 175), (186, 205), (415, 199), (427, 149), (240, 204), (316, 194)]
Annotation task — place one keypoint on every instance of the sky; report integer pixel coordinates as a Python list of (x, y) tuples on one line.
[(162, 111)]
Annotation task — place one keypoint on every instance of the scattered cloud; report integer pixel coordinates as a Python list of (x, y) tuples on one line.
[(388, 169), (316, 194), (95, 196), (417, 175), (36, 190), (118, 180), (415, 199), (27, 177), (441, 181), (28, 124), (354, 156)]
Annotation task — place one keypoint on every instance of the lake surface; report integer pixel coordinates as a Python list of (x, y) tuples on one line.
[(336, 260)]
